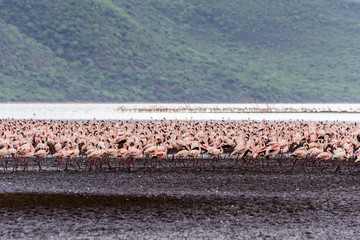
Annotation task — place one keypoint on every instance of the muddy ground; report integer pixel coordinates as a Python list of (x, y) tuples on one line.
[(180, 203)]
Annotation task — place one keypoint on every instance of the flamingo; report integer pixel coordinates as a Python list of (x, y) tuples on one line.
[(120, 155), (181, 155), (339, 156), (151, 151), (25, 151), (194, 154), (4, 152), (40, 154), (313, 153), (60, 155), (215, 152), (324, 156), (95, 156), (272, 152), (11, 152), (71, 155), (26, 157), (110, 152), (239, 150), (133, 154), (160, 155), (299, 154)]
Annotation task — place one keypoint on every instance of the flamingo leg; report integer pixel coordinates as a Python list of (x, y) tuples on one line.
[(39, 163), (348, 166), (25, 164), (133, 164), (243, 162), (338, 167), (235, 161), (321, 166), (293, 163), (3, 163), (302, 165)]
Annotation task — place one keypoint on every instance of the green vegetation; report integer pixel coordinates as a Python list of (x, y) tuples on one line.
[(183, 50)]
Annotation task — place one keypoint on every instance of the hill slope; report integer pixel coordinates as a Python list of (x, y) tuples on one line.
[(189, 50)]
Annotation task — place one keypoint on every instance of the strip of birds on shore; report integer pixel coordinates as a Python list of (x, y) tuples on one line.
[(234, 109), (89, 145)]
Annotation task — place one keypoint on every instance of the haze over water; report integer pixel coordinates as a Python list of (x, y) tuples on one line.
[(113, 111)]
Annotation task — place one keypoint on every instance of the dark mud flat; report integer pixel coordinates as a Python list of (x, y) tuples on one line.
[(224, 203)]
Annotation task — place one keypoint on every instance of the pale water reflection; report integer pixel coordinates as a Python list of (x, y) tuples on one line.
[(90, 111)]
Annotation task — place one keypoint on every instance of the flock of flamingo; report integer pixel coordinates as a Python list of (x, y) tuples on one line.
[(124, 144)]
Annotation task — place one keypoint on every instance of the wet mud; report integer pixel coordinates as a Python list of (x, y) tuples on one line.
[(179, 203)]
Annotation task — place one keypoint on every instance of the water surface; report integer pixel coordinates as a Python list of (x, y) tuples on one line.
[(113, 111)]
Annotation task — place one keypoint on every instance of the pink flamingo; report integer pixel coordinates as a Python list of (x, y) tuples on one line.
[(40, 154), (95, 156), (25, 151), (133, 154), (299, 154), (181, 155), (4, 152)]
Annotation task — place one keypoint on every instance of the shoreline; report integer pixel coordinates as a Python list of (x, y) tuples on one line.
[(145, 204)]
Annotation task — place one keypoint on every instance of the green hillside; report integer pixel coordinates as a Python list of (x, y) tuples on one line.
[(183, 50)]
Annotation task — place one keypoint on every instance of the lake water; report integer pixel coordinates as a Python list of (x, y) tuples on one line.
[(146, 112)]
